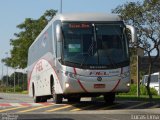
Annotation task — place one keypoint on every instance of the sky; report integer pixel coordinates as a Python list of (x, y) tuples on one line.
[(14, 12)]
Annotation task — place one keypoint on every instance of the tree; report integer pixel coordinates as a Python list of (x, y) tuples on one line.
[(29, 30), (146, 18), (20, 80)]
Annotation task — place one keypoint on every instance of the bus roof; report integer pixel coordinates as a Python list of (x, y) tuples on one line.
[(81, 17), (87, 17)]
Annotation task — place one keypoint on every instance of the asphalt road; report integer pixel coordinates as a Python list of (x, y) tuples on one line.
[(17, 106)]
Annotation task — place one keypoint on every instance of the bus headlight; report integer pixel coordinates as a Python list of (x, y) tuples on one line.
[(67, 85), (128, 84)]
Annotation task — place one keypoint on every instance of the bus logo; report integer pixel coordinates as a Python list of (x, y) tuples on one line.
[(99, 78)]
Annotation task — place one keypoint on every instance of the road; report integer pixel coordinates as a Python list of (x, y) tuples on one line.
[(19, 106)]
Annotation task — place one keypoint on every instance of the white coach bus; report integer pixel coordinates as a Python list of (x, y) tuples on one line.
[(80, 55)]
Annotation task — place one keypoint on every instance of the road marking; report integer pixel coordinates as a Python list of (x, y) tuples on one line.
[(154, 106), (108, 107), (14, 104), (82, 108), (5, 104), (9, 109), (36, 108), (24, 104), (134, 106), (59, 108)]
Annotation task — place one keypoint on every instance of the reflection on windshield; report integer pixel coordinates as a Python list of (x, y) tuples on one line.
[(80, 45)]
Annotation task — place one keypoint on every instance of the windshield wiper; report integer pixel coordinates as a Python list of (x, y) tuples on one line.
[(91, 46), (88, 52)]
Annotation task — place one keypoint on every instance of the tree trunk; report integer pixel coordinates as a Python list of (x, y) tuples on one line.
[(149, 79)]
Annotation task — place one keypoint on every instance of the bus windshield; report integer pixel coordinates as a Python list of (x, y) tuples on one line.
[(87, 44)]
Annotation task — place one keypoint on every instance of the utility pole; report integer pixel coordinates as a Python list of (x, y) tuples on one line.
[(7, 72), (2, 78), (15, 80)]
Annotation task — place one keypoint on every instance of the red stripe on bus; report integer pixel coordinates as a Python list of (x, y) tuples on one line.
[(82, 85), (115, 86), (74, 70), (83, 88), (117, 82)]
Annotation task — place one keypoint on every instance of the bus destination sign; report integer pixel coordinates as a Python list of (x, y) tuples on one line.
[(75, 26)]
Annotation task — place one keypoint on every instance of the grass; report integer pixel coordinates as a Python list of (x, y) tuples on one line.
[(135, 98), (124, 98), (20, 92), (24, 92)]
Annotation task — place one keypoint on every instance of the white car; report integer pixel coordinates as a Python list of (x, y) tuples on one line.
[(155, 81)]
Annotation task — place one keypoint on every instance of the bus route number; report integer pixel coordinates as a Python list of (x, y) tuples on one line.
[(39, 66)]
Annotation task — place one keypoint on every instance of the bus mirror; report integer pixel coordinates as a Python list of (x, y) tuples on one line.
[(58, 33), (131, 33)]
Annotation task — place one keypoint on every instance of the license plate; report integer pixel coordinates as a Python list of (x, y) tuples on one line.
[(99, 85)]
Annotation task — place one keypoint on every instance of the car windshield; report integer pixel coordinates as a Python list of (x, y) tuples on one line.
[(94, 44), (154, 78)]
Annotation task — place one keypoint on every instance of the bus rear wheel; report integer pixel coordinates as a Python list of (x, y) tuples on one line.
[(57, 98), (37, 99)]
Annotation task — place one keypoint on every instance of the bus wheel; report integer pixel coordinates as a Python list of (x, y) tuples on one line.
[(109, 98), (57, 98), (43, 99), (37, 99)]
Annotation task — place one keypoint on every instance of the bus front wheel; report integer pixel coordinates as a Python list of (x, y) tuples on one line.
[(57, 98)]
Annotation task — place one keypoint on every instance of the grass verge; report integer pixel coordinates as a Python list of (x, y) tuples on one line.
[(135, 98)]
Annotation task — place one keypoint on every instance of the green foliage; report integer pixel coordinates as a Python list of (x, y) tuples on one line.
[(29, 30), (18, 88), (19, 78), (24, 92), (11, 89), (143, 90), (144, 16), (7, 83)]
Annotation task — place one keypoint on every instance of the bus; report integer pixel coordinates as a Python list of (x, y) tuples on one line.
[(154, 83), (80, 55)]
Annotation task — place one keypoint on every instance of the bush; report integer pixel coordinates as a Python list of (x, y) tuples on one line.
[(18, 89), (143, 90), (24, 92)]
